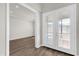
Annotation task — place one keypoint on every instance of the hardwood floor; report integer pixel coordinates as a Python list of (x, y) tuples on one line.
[(25, 47)]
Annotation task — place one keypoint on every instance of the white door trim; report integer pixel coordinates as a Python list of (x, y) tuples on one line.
[(7, 29)]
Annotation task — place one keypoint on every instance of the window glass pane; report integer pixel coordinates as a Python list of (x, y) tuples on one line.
[(64, 33), (50, 27), (66, 25), (49, 32)]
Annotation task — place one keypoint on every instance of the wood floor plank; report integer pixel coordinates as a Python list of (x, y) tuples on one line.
[(25, 47)]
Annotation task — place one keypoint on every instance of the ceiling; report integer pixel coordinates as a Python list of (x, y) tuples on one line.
[(43, 7), (17, 9), (52, 6)]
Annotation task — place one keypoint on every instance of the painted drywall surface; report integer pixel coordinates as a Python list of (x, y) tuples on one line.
[(2, 29), (77, 30), (21, 28), (21, 23), (57, 15)]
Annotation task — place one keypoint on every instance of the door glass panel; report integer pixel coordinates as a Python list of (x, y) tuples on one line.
[(49, 32), (64, 33)]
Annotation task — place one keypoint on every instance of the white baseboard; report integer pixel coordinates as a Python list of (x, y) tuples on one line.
[(22, 37)]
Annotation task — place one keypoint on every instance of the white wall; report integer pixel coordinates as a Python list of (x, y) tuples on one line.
[(77, 30), (21, 22), (2, 29)]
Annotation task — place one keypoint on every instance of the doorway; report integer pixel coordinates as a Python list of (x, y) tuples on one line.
[(22, 28)]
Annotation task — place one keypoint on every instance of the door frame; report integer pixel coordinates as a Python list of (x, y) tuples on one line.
[(37, 25)]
